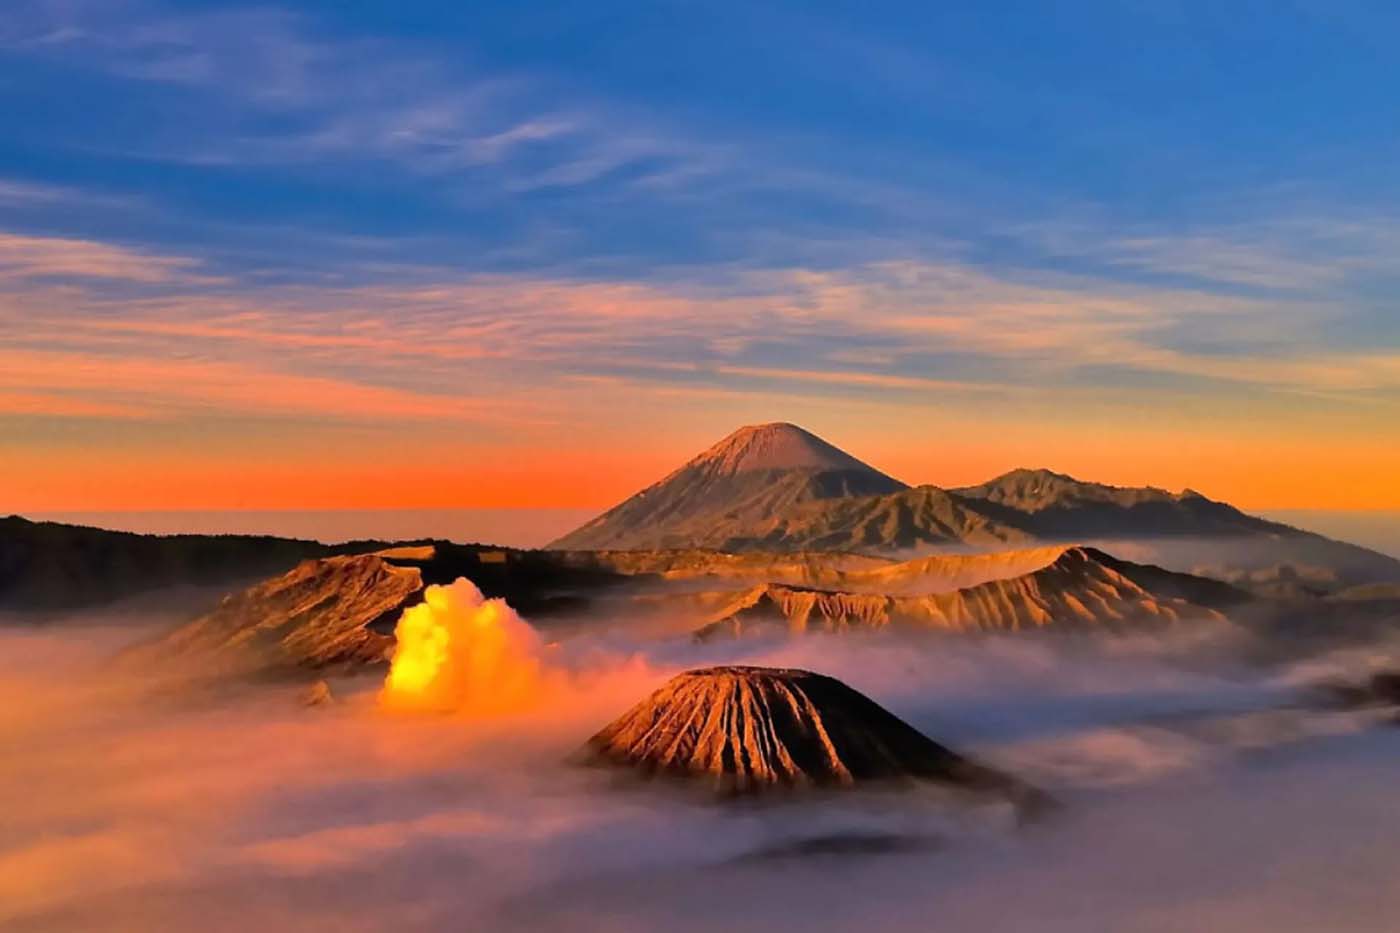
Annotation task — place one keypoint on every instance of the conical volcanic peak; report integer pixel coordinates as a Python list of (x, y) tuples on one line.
[(747, 729), (775, 446), (734, 496)]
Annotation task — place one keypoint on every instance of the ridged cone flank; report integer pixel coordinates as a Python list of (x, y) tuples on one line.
[(747, 729)]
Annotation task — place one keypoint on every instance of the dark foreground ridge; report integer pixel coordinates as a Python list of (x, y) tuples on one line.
[(745, 730)]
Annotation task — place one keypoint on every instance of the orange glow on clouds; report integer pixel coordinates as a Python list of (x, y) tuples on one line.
[(185, 392)]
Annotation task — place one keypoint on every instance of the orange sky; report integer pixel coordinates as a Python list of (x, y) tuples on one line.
[(1251, 473), (137, 382), (395, 272)]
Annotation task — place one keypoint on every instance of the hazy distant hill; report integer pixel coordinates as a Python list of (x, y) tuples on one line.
[(1052, 505), (1183, 529), (46, 565), (777, 487)]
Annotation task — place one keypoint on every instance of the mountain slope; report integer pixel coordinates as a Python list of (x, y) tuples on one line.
[(923, 515), (319, 613), (1074, 588), (808, 568), (748, 729), (1055, 505), (1183, 529), (729, 496)]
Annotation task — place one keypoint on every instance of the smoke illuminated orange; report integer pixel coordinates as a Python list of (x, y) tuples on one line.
[(460, 652)]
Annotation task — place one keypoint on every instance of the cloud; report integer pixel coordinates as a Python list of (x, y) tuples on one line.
[(30, 257), (93, 385), (349, 99), (146, 42), (13, 193), (42, 199), (61, 405), (870, 380), (355, 819), (1359, 373), (1218, 259), (497, 346), (1282, 248)]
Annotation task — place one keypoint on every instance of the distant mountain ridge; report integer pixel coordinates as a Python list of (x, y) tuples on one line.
[(777, 487), (1046, 504), (773, 489), (50, 566)]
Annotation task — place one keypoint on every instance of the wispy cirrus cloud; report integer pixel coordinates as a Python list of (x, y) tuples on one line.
[(66, 404), (319, 99), (490, 140), (148, 42), (86, 384), (1281, 250), (491, 346), (14, 193), (31, 257)]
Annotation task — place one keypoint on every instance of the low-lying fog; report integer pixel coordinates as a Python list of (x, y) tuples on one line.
[(1193, 799)]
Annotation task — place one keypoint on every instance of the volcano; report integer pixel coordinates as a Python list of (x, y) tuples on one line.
[(733, 495), (1068, 588), (778, 487), (744, 730)]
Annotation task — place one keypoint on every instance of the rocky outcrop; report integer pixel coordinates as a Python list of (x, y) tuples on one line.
[(742, 730), (944, 573), (771, 608), (708, 567), (318, 694)]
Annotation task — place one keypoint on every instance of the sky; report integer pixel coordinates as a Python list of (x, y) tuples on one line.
[(493, 255)]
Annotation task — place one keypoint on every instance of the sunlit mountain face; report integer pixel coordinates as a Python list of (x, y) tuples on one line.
[(669, 466)]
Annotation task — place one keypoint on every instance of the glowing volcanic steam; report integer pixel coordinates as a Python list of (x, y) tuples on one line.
[(458, 650)]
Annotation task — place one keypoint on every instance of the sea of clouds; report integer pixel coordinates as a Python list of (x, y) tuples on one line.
[(1197, 794)]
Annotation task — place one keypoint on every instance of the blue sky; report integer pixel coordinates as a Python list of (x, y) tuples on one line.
[(820, 207), (625, 137)]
